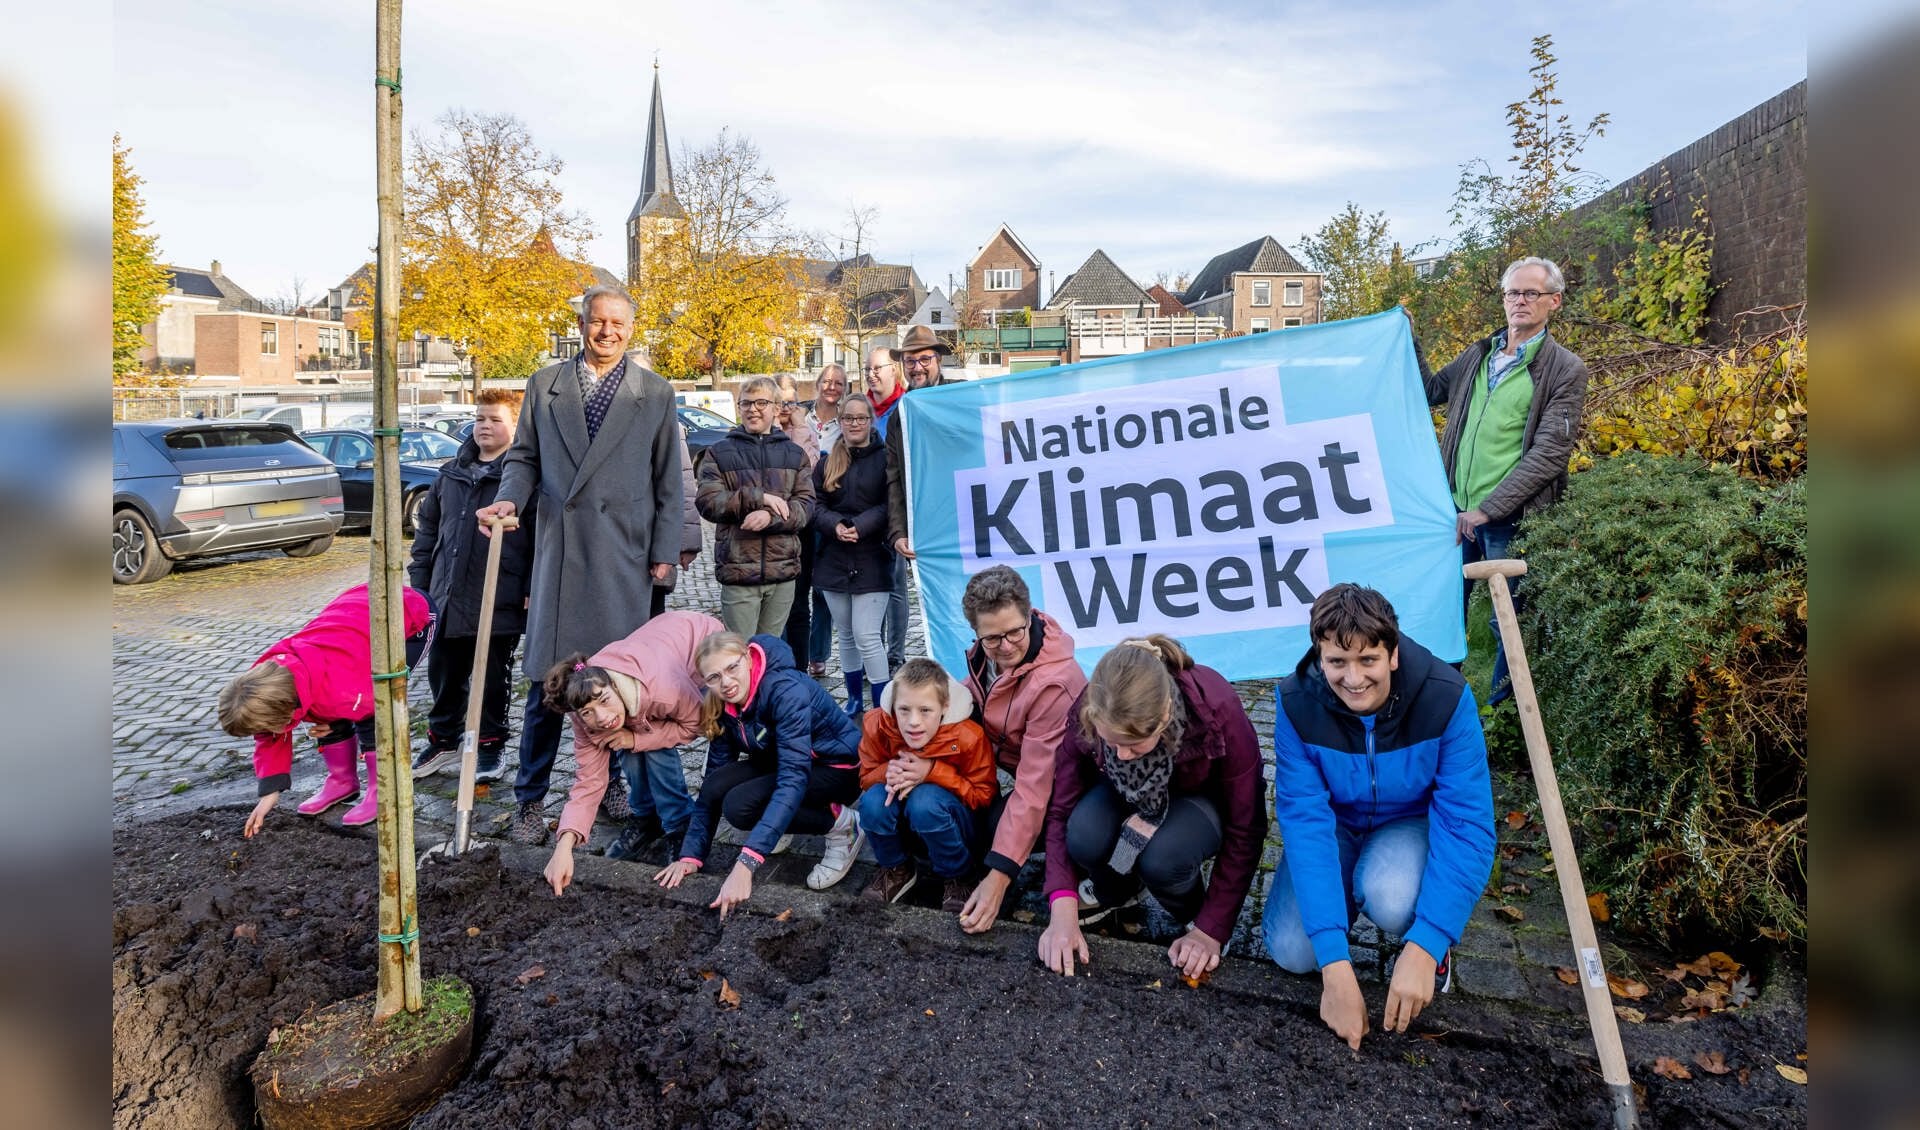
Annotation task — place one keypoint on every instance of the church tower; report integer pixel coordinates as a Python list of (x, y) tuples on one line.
[(656, 211)]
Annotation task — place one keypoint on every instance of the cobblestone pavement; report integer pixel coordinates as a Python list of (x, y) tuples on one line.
[(178, 641)]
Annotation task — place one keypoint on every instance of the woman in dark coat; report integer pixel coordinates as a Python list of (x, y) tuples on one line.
[(854, 568)]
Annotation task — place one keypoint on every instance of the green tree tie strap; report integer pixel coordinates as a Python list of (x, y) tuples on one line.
[(392, 84), (405, 938), (386, 676), (394, 432)]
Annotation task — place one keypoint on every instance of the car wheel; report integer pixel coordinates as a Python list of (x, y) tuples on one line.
[(313, 548), (410, 511), (136, 553)]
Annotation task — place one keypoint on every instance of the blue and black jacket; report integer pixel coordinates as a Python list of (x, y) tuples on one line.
[(788, 724), (1422, 754)]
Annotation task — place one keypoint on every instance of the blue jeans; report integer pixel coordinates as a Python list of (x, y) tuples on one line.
[(539, 743), (1381, 871), (896, 634), (938, 819), (1490, 544), (656, 782)]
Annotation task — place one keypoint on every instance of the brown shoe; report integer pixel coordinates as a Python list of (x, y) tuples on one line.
[(953, 897), (890, 884)]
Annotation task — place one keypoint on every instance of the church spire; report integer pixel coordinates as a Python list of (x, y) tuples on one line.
[(656, 178)]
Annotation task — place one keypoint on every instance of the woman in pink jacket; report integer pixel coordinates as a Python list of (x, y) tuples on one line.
[(321, 675), (638, 698)]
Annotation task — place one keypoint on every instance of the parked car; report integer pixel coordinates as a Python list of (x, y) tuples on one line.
[(200, 488), (703, 429), (719, 403), (351, 450), (302, 417)]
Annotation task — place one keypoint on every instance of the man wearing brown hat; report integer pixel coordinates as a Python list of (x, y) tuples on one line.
[(919, 355)]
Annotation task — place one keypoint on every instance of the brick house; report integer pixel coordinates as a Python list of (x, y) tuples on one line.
[(268, 349), (1256, 287), (191, 292), (1004, 278)]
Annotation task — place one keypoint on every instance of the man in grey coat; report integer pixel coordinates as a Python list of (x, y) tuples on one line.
[(599, 443)]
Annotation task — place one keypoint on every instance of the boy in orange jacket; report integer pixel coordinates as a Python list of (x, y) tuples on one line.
[(925, 767)]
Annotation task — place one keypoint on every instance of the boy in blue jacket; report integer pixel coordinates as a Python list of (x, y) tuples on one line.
[(1385, 806)]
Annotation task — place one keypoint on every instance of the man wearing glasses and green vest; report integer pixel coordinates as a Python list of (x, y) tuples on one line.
[(1514, 405)]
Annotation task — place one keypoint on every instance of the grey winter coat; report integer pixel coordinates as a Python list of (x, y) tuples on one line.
[(608, 511), (1553, 423)]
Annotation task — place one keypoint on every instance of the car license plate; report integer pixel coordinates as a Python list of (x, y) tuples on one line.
[(278, 509)]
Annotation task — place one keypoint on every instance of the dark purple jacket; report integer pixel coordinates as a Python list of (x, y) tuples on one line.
[(1219, 760)]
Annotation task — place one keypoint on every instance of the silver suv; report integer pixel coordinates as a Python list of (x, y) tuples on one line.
[(199, 488)]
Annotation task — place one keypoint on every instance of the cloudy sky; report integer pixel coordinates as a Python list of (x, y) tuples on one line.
[(1162, 133)]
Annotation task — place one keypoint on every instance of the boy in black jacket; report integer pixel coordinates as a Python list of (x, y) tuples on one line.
[(449, 563)]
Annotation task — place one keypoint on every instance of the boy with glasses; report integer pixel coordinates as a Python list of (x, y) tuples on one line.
[(755, 487)]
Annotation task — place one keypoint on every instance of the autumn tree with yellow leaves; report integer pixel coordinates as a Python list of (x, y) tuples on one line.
[(726, 287), (484, 238), (139, 280)]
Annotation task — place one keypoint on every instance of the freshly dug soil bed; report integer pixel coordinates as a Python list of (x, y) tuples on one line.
[(614, 1008)]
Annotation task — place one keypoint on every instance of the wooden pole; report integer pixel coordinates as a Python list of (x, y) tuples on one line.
[(399, 950), (1566, 861)]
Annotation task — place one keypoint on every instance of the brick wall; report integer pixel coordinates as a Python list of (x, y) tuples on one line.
[(1752, 175), (999, 255)]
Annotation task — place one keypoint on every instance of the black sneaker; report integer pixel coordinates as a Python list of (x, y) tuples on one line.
[(639, 832), (529, 823), (434, 758), (487, 763)]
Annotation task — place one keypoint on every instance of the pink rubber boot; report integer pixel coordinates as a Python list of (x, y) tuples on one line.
[(368, 810), (343, 782)]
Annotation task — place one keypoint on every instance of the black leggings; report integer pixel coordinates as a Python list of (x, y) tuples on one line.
[(741, 791), (1169, 864)]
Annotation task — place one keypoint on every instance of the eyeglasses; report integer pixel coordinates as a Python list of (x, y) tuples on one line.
[(730, 671), (846, 419), (757, 402), (1016, 637), (1529, 295), (876, 370), (788, 403), (922, 362)]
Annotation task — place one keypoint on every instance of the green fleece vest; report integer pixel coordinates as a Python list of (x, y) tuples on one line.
[(1493, 438)]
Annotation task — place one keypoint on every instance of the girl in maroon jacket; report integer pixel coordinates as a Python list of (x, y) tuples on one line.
[(1159, 771)]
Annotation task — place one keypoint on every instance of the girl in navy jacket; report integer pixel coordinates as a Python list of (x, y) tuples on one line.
[(781, 758)]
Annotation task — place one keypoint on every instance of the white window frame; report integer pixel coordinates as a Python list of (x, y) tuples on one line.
[(1262, 290), (1002, 278), (1260, 325), (1293, 294)]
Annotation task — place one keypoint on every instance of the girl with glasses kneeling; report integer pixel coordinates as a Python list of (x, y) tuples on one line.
[(781, 758)]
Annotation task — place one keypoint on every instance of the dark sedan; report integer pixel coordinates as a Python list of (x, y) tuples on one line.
[(199, 488), (702, 428), (421, 454)]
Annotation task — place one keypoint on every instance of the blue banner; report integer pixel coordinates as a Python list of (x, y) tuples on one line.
[(1209, 492)]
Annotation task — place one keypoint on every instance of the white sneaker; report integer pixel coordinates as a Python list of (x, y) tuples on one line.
[(843, 843), (781, 846)]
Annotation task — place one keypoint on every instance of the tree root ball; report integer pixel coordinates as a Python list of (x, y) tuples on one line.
[(339, 1068)]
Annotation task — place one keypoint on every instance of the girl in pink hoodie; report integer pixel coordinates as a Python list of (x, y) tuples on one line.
[(637, 699), (321, 675)]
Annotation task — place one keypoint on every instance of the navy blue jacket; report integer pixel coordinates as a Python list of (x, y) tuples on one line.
[(1422, 754), (449, 558), (860, 500), (787, 724)]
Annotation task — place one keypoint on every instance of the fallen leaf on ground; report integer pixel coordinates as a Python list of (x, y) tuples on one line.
[(1567, 976), (1597, 906), (1710, 999), (1746, 1073), (290, 912), (729, 995), (1630, 1015), (929, 1012), (533, 972), (1625, 987), (1699, 967), (1713, 1063), (784, 916), (1023, 916), (1155, 984), (246, 931), (1722, 964), (1516, 820), (473, 931), (706, 974), (1772, 934), (1791, 1074), (1510, 913), (1671, 1068), (1740, 992)]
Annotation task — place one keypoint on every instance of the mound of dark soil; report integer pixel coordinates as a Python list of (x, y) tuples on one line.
[(616, 1008)]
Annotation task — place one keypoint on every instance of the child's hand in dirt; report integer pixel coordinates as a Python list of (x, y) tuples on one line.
[(983, 905), (258, 816), (559, 872), (1194, 953), (670, 875), (1062, 938), (1412, 987), (1341, 1005), (737, 889)]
